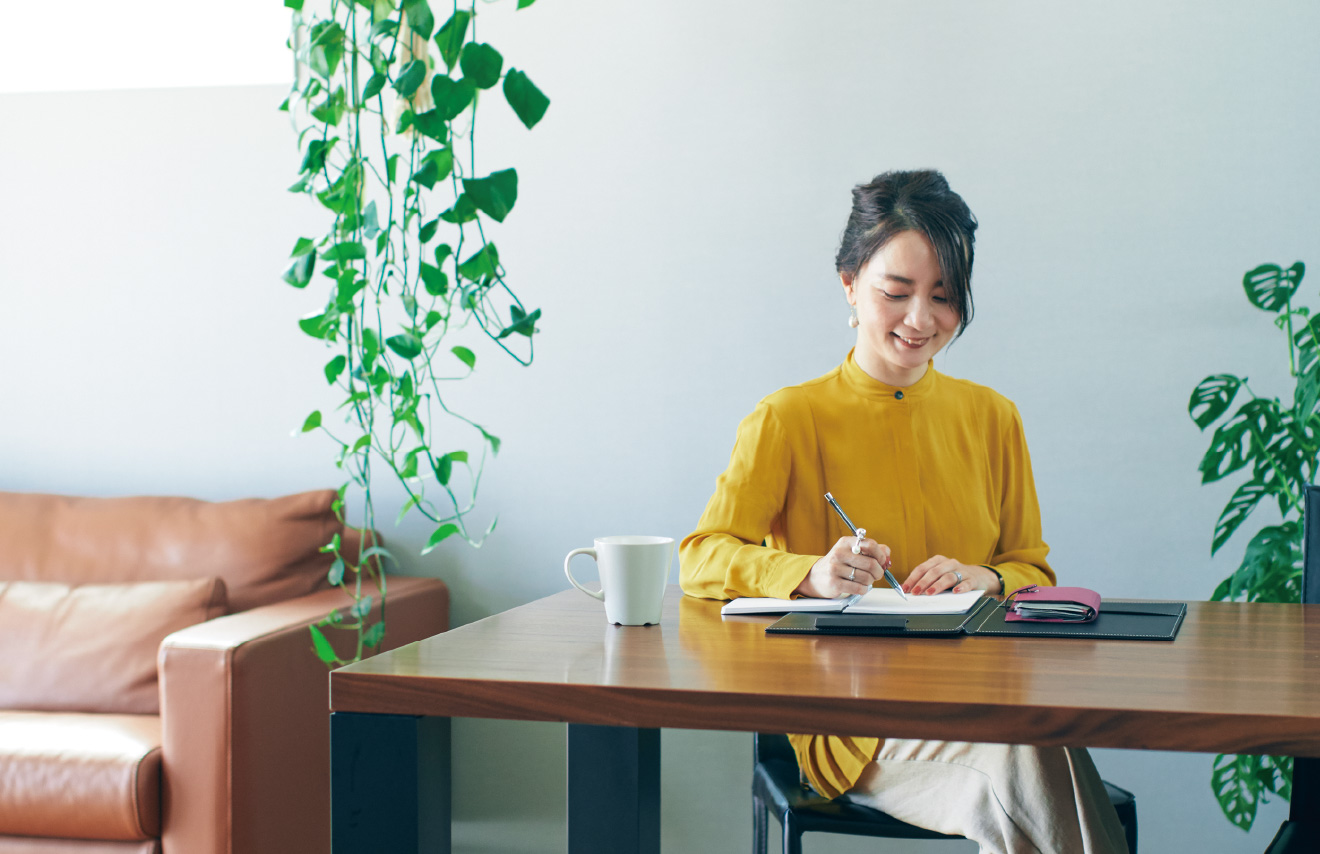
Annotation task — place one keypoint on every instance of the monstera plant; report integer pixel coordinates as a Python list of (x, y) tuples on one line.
[(385, 105), (1273, 445)]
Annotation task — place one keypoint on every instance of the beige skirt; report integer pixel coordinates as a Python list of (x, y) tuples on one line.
[(1009, 799)]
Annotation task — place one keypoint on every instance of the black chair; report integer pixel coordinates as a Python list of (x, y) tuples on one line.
[(1301, 832), (777, 788)]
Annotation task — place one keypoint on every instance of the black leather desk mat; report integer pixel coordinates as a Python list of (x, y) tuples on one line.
[(1118, 620)]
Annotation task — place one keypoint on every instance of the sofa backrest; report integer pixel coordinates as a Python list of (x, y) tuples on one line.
[(265, 550)]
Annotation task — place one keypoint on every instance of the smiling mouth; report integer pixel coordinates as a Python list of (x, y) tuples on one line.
[(913, 343)]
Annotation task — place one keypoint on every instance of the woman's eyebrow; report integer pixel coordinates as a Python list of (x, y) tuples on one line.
[(904, 280)]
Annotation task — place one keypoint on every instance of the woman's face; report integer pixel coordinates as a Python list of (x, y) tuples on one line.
[(903, 315)]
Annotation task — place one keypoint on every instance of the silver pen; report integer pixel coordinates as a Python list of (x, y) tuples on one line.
[(860, 533)]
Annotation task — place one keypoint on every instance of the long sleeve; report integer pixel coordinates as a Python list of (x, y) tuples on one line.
[(938, 467), (724, 557), (1021, 550)]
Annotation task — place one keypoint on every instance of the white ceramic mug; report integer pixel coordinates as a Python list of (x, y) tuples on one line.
[(633, 573)]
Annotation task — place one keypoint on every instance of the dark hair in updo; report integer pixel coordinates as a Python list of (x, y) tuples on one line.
[(919, 201)]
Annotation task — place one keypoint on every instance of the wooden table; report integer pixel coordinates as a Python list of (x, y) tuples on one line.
[(1240, 678)]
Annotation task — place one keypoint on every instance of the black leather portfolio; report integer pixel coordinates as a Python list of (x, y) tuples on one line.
[(1118, 620)]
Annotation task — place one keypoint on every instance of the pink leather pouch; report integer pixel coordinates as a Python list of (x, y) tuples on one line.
[(1052, 605)]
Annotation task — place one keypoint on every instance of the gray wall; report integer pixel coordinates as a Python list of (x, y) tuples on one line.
[(678, 215)]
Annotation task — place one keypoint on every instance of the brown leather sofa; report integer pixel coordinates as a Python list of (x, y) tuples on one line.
[(233, 757)]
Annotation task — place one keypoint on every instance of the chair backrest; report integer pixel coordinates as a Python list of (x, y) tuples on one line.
[(1311, 546), (772, 745)]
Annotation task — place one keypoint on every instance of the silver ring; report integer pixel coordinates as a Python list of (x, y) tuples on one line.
[(959, 575), (852, 576)]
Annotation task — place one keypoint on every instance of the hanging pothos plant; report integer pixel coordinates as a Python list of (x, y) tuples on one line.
[(1277, 443), (385, 106)]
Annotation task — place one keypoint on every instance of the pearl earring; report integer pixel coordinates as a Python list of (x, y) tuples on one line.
[(852, 317)]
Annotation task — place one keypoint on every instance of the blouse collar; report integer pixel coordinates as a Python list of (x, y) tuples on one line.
[(868, 386)]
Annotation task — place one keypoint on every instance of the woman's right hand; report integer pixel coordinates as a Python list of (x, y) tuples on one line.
[(842, 573)]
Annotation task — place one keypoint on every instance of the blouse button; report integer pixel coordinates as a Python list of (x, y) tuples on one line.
[(898, 395)]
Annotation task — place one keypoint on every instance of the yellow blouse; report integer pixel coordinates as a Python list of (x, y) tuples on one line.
[(940, 467)]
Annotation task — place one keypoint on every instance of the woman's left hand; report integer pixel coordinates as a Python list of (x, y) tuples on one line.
[(941, 573)]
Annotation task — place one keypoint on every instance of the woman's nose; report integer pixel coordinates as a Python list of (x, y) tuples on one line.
[(919, 314)]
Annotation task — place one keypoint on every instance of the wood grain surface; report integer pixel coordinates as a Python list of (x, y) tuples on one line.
[(1240, 678)]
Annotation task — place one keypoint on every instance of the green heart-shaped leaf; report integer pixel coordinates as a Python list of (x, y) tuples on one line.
[(523, 323), (413, 75), (407, 345), (482, 264), (375, 83), (434, 280), (324, 650), (419, 17), (334, 368), (465, 356), (527, 101), (462, 211), (300, 271), (431, 123), (451, 96), (495, 194), (481, 64), (451, 37), (441, 534)]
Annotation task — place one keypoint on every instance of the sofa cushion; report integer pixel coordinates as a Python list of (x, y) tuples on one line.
[(266, 550), (78, 776), (93, 647), (37, 845)]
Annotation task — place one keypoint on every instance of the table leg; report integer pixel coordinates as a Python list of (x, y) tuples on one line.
[(613, 790), (389, 784)]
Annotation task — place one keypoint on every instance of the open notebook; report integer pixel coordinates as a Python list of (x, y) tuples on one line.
[(880, 600)]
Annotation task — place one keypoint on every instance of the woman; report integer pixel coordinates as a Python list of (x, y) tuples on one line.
[(936, 469)]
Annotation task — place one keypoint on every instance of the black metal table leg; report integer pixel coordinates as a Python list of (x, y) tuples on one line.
[(389, 784), (613, 790)]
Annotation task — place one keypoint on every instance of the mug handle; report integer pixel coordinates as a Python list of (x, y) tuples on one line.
[(594, 594)]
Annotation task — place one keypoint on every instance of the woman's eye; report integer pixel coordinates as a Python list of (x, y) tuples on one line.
[(940, 299), (888, 295)]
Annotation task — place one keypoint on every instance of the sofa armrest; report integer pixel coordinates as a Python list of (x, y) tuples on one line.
[(246, 726)]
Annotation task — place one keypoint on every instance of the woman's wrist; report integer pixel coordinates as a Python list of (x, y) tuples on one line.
[(1002, 588)]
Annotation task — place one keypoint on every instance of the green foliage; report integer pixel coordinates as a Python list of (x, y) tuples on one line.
[(324, 650), (389, 162), (300, 271), (1277, 444), (1240, 783), (528, 102), (451, 97), (413, 75), (419, 17), (465, 356), (481, 64), (495, 194), (451, 37)]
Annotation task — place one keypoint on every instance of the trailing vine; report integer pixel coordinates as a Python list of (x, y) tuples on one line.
[(385, 104), (1278, 443)]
